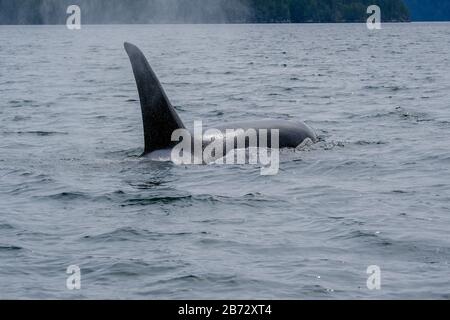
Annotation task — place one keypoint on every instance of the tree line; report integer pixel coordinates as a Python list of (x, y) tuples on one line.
[(198, 11), (431, 10)]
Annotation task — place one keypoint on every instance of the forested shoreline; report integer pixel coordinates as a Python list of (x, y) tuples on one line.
[(430, 10), (198, 11)]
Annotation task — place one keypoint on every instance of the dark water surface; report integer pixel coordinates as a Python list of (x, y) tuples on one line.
[(374, 191)]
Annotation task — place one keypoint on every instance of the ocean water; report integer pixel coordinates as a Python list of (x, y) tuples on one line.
[(375, 190)]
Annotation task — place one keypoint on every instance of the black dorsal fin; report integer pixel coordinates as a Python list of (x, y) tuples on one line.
[(159, 117)]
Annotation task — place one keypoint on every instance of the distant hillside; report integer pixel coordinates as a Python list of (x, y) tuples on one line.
[(429, 10), (198, 11), (345, 10)]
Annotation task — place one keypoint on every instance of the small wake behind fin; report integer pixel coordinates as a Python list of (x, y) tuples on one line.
[(159, 117)]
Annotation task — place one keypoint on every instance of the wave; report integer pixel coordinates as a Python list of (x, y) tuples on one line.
[(10, 248), (36, 133), (130, 234)]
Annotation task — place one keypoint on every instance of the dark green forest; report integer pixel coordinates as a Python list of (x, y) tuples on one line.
[(429, 10), (198, 11)]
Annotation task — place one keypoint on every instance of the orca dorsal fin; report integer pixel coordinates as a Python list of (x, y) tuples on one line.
[(159, 117)]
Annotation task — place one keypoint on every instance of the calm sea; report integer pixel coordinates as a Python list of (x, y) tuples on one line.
[(375, 191)]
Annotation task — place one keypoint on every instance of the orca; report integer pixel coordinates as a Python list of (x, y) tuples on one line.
[(160, 120)]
